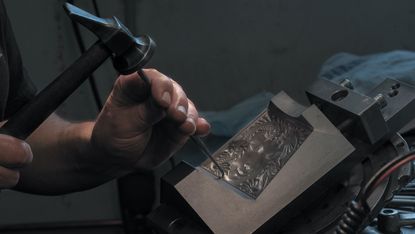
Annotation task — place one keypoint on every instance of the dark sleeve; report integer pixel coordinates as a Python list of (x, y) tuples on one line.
[(21, 88)]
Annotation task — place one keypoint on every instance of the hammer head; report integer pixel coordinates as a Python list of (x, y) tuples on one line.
[(129, 53)]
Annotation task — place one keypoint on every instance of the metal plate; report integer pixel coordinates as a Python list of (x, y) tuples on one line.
[(253, 157)]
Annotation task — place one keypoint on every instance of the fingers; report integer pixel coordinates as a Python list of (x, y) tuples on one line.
[(188, 127), (167, 94), (202, 127), (129, 90), (14, 154), (8, 177), (132, 89), (161, 87), (178, 110), (184, 112), (194, 125)]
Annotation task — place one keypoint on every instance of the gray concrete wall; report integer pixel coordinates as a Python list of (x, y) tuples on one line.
[(220, 51)]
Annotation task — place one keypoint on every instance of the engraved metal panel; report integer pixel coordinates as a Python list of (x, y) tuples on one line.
[(253, 157)]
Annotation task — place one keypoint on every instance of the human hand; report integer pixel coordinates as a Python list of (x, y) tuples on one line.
[(14, 155), (142, 132)]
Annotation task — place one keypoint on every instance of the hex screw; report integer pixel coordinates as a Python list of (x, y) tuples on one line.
[(347, 84), (381, 100)]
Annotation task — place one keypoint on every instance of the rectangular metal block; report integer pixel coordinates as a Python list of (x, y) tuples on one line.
[(225, 209), (259, 151), (400, 103), (340, 104)]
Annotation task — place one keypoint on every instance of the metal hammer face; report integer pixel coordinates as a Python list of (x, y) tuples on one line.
[(129, 53)]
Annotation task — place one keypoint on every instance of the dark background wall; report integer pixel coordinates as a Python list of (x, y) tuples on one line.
[(220, 51), (223, 51)]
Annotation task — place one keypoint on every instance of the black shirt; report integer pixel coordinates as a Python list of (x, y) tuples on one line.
[(15, 85)]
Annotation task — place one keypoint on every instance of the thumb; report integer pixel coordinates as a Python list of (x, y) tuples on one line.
[(130, 90), (14, 153), (131, 101)]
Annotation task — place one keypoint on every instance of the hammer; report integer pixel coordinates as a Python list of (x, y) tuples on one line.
[(128, 53)]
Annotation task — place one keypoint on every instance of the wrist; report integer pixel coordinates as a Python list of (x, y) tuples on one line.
[(78, 135), (91, 156)]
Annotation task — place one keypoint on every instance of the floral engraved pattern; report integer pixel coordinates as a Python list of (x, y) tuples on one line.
[(253, 157)]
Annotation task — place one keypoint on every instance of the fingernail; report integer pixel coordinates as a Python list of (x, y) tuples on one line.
[(182, 110), (209, 127), (166, 98), (204, 120), (192, 122)]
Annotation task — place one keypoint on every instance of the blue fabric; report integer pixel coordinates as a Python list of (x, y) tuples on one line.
[(366, 72), (227, 123)]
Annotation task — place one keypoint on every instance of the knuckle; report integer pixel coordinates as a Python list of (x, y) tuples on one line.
[(23, 154), (182, 97), (118, 84), (191, 103), (178, 86), (163, 81), (151, 70), (168, 81), (182, 102), (173, 81), (192, 111), (194, 115)]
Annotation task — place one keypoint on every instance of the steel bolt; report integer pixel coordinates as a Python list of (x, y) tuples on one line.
[(381, 100), (347, 84)]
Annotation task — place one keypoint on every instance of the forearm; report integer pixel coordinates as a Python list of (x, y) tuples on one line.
[(64, 160), (132, 132)]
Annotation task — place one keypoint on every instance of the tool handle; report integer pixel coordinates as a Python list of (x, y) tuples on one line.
[(30, 116)]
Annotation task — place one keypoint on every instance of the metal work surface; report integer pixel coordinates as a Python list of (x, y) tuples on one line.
[(253, 157), (224, 210)]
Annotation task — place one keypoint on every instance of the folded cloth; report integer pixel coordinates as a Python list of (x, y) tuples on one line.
[(368, 71), (365, 72)]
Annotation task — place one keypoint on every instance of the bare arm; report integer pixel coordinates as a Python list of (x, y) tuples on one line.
[(61, 159), (129, 134)]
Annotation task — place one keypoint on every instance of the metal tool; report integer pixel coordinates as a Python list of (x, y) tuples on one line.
[(128, 53), (390, 221), (353, 136), (205, 150), (199, 142)]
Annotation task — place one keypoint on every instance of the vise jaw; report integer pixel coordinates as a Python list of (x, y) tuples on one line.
[(268, 164), (373, 117), (339, 130)]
